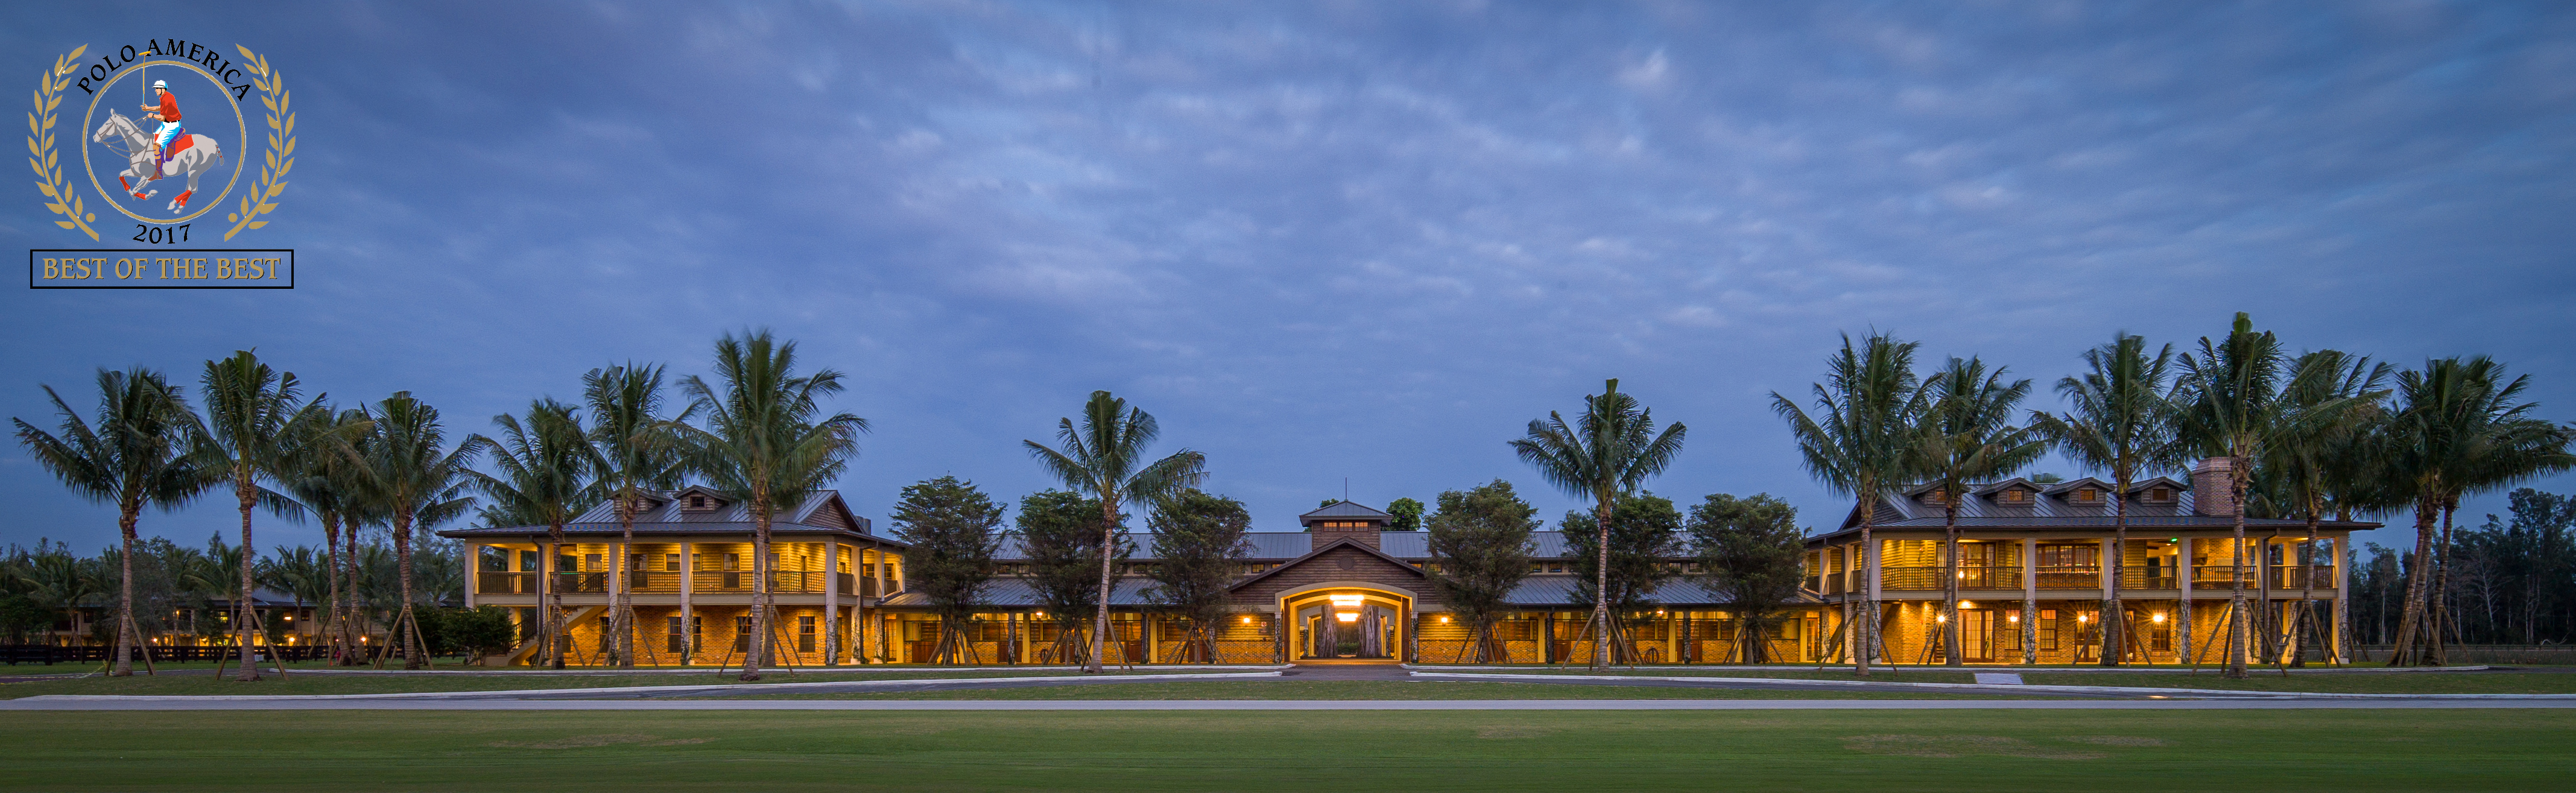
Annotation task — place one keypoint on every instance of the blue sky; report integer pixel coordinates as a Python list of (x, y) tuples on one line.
[(1330, 240)]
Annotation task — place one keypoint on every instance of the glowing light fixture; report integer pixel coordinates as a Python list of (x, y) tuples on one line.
[(1444, 619), (1347, 600), (1968, 604), (1943, 619), (1347, 616), (2160, 618), (2014, 618), (1247, 620)]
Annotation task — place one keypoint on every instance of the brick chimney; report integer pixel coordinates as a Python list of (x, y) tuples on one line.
[(2213, 491), (1364, 535)]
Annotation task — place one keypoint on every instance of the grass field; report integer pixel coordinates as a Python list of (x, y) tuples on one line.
[(1365, 689), (392, 684), (1329, 750), (2499, 682)]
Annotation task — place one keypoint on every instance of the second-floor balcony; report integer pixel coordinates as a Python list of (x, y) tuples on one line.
[(665, 582)]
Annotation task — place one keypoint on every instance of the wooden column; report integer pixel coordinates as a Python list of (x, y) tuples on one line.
[(831, 601), (2182, 607), (688, 614), (2029, 601)]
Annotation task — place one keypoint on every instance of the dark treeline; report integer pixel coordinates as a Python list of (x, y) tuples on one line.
[(2512, 581)]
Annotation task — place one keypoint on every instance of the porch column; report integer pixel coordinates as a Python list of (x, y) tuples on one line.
[(2342, 641), (1152, 629), (2182, 610), (831, 601), (1874, 640), (2030, 601), (473, 574), (688, 616)]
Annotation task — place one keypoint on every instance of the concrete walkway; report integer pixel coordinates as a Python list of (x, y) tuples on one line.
[(281, 703), (1786, 684)]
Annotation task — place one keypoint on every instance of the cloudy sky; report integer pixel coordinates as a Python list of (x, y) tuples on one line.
[(1327, 241)]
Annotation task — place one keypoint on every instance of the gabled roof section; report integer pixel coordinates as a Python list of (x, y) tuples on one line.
[(1344, 542), (1344, 510), (1989, 490), (2152, 481), (821, 511), (2068, 486)]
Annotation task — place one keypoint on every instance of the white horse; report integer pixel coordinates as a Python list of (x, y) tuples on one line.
[(121, 134)]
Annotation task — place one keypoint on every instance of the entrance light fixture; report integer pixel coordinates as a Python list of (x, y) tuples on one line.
[(1347, 616), (1347, 600), (2160, 618)]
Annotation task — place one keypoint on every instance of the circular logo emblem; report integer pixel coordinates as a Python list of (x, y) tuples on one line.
[(164, 136)]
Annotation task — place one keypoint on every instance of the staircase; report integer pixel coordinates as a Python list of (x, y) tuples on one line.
[(530, 648)]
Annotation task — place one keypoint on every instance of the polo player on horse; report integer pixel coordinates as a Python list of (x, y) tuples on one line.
[(168, 115)]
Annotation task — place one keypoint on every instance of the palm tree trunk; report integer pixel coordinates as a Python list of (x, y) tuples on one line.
[(624, 621), (756, 647), (2438, 608), (1601, 586), (1865, 634), (352, 653), (1108, 555), (1950, 582), (243, 490), (2408, 648), (331, 573), (404, 632), (2238, 630), (125, 637), (2114, 640)]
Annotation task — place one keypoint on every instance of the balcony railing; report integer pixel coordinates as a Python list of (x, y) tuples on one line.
[(2070, 576), (1928, 577), (2219, 576), (2294, 576), (505, 583), (784, 581), (2134, 577)]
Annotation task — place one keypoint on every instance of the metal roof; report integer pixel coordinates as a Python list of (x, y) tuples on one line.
[(1006, 591), (1546, 591), (1345, 509)]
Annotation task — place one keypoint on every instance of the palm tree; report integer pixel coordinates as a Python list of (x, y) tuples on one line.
[(2235, 404), (2119, 422), (2458, 430), (548, 471), (329, 482), (1105, 458), (1968, 436), (2316, 463), (414, 480), (637, 450), (767, 445), (1607, 453), (253, 423), (299, 572), (1870, 403), (136, 453), (57, 578)]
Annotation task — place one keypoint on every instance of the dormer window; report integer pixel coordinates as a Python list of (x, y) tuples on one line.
[(1936, 496), (698, 502), (2086, 495), (2013, 495), (2159, 495)]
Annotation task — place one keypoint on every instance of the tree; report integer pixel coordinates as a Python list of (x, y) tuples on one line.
[(2316, 464), (1644, 532), (134, 454), (1608, 452), (2120, 422), (1749, 551), (638, 450), (2234, 405), (2459, 428), (1199, 545), (1060, 535), (254, 421), (1105, 459), (952, 528), (1480, 550), (548, 477), (416, 481), (768, 445), (1408, 515), (1856, 445), (1968, 436), (330, 481)]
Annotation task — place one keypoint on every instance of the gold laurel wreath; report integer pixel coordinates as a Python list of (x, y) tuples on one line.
[(40, 147), (281, 146)]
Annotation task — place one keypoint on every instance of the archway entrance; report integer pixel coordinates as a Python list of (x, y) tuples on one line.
[(1347, 622)]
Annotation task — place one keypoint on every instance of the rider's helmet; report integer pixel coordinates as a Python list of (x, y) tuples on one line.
[(161, 84)]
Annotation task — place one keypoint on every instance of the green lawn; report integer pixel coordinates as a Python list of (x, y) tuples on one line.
[(1329, 750), (393, 684), (2262, 680), (1366, 689)]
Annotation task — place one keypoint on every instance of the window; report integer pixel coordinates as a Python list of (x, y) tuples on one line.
[(742, 634), (591, 561), (671, 563), (2159, 495), (2069, 555), (805, 634), (2086, 495), (733, 562), (2013, 495), (2047, 629), (1935, 496), (1556, 567), (673, 640), (697, 502)]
